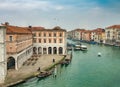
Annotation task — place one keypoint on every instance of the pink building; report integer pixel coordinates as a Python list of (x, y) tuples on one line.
[(18, 45)]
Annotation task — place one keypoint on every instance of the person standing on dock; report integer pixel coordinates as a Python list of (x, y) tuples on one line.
[(38, 69)]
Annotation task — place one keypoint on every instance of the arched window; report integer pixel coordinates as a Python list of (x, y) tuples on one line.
[(49, 50), (11, 63), (55, 50), (60, 50), (44, 50), (34, 50), (39, 50)]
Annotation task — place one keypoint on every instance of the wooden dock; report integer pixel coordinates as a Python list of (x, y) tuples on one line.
[(67, 59)]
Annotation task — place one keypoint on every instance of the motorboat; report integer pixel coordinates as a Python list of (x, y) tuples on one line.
[(77, 47), (99, 54), (83, 47)]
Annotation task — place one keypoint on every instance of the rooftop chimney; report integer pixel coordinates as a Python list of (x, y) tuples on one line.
[(6, 23), (30, 26)]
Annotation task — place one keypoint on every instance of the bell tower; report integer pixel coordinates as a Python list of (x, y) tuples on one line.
[(3, 60)]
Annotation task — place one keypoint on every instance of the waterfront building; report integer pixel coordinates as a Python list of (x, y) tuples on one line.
[(103, 36), (98, 35), (49, 41), (113, 35), (3, 67), (76, 34), (73, 34), (18, 45), (69, 34), (79, 34), (86, 35)]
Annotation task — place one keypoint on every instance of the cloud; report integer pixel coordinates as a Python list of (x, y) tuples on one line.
[(69, 14), (29, 5)]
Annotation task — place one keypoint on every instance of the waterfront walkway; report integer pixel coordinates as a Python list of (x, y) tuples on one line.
[(30, 68)]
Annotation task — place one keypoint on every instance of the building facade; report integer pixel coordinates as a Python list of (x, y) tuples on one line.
[(18, 45), (86, 35), (113, 35), (49, 41), (3, 60), (98, 35)]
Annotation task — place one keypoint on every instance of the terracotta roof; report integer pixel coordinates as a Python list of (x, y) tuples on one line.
[(43, 29), (17, 30), (37, 28), (80, 29), (57, 28), (87, 31), (114, 27)]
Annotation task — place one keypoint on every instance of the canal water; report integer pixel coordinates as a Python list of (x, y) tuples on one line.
[(85, 70)]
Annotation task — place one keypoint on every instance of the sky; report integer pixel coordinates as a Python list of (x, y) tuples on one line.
[(68, 14)]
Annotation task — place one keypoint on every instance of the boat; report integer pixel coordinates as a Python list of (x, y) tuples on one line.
[(83, 47), (99, 54), (69, 48), (44, 74), (77, 47)]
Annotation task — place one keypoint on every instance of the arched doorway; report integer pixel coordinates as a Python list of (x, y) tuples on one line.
[(60, 50), (10, 63), (49, 50), (44, 50), (34, 50), (55, 50), (39, 50)]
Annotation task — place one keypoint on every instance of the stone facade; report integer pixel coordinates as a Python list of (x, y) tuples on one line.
[(49, 41), (19, 46), (3, 68)]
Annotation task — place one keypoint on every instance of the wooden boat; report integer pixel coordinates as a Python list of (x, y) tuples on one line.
[(44, 74)]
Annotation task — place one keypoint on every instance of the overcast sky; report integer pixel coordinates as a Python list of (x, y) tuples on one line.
[(68, 14)]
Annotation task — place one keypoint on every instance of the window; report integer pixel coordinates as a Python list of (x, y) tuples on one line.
[(54, 40), (54, 34), (60, 40), (10, 38), (39, 34), (49, 34), (34, 40), (34, 34), (44, 34), (39, 40), (108, 32), (44, 40), (49, 40), (60, 34)]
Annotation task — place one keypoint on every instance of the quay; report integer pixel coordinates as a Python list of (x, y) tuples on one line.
[(45, 62), (67, 59)]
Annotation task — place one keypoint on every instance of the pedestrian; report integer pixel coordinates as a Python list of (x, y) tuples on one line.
[(38, 69)]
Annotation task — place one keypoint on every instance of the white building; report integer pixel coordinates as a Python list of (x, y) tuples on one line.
[(3, 60), (112, 34)]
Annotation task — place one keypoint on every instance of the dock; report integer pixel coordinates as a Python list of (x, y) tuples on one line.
[(67, 59)]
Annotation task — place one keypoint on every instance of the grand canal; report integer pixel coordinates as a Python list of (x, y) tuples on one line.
[(86, 70)]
